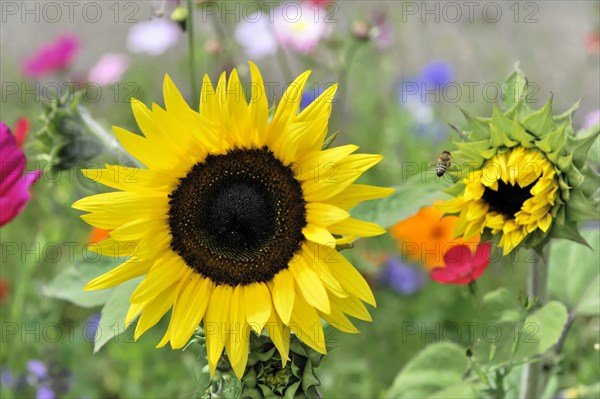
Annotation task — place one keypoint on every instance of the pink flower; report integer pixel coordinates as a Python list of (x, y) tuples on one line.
[(52, 57), (255, 35), (153, 37), (14, 186), (109, 69), (462, 266), (301, 27)]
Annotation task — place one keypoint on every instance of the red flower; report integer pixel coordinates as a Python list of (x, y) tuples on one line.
[(52, 57), (3, 290), (462, 266), (592, 43)]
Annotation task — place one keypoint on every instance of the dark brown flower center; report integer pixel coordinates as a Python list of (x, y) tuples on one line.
[(509, 199), (238, 218)]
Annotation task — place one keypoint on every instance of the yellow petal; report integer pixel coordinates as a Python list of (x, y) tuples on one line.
[(129, 269), (310, 285), (284, 294), (217, 318), (356, 227), (318, 234), (352, 281), (257, 305), (324, 214), (189, 309), (306, 324)]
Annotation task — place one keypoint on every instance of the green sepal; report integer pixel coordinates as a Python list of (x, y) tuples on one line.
[(568, 231), (520, 134), (513, 90), (479, 127), (567, 116), (541, 121), (476, 150), (581, 147), (580, 208)]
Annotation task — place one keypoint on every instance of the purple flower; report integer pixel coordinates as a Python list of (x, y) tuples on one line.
[(6, 377), (153, 37), (37, 368), (404, 279), (255, 35), (14, 186), (52, 57), (45, 392)]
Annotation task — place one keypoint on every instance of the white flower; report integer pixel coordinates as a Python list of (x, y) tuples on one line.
[(255, 35), (300, 27), (153, 37), (109, 69)]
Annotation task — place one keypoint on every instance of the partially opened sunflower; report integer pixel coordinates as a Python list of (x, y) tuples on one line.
[(235, 220), (527, 178)]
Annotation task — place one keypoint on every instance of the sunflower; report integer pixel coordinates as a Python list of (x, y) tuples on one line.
[(528, 180), (235, 220), (512, 194)]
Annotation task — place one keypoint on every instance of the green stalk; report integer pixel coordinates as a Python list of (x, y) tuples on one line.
[(192, 55), (533, 378)]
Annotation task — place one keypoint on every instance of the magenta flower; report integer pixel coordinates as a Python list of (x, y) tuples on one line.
[(14, 185), (52, 57), (462, 266)]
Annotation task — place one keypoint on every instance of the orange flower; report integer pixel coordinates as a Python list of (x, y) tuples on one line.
[(425, 237), (97, 235)]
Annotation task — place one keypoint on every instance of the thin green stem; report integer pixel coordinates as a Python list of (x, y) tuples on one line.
[(345, 72), (533, 378), (108, 140), (285, 66), (192, 55)]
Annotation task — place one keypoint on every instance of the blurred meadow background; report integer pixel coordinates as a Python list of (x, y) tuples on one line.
[(404, 68)]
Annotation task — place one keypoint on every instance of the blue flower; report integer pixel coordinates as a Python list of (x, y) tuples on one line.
[(404, 279), (436, 75), (91, 327)]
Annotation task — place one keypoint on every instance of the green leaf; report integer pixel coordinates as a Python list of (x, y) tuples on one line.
[(573, 274), (437, 368), (542, 329), (406, 200), (464, 390), (513, 89), (112, 320), (495, 330), (69, 283)]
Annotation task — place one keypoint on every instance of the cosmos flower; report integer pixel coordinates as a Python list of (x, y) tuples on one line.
[(153, 37), (255, 34), (462, 266), (426, 236), (591, 119), (300, 28), (527, 178), (52, 57), (230, 226), (14, 185), (109, 69)]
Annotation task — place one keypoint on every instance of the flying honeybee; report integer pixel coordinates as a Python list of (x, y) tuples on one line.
[(443, 163)]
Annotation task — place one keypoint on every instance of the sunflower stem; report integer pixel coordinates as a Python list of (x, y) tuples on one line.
[(192, 55), (533, 378)]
